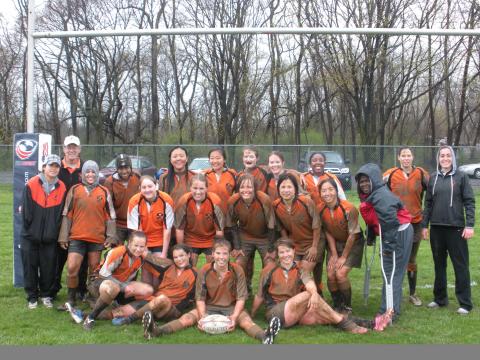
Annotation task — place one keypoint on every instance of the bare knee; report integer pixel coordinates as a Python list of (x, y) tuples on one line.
[(188, 319), (110, 288)]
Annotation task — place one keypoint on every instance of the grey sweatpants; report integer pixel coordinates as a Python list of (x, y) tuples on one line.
[(402, 255)]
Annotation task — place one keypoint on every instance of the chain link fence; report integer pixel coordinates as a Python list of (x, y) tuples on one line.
[(296, 156)]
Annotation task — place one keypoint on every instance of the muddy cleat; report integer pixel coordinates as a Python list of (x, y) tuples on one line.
[(76, 314), (148, 325), (272, 330), (415, 300), (88, 324)]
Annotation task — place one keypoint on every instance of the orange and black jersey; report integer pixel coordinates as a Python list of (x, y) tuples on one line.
[(312, 182), (253, 220), (277, 284), (179, 288), (299, 221), (409, 188), (71, 175), (222, 292), (181, 186), (42, 213), (88, 211), (121, 192), (152, 218), (223, 185), (119, 265), (260, 176), (199, 224), (341, 221), (272, 183)]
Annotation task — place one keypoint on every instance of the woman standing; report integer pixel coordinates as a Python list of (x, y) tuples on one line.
[(199, 219), (220, 179), (450, 211), (345, 243), (409, 183), (151, 211), (276, 165)]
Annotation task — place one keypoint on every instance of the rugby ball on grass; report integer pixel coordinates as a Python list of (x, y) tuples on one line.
[(215, 324)]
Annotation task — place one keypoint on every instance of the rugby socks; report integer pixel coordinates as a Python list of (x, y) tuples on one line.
[(336, 294), (168, 328), (345, 289), (255, 332), (71, 295), (99, 307), (412, 278)]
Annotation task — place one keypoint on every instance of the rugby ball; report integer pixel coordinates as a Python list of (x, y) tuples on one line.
[(215, 324)]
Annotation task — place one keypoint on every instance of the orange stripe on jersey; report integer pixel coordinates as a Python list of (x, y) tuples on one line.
[(260, 177), (340, 223), (121, 195), (278, 284), (223, 186), (199, 224), (409, 189), (177, 286), (253, 220), (299, 221), (224, 292), (120, 265), (88, 213), (151, 218)]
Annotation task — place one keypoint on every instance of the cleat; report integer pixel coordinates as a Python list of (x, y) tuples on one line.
[(76, 314), (47, 302), (32, 304), (272, 331), (148, 325), (415, 300), (122, 320), (88, 324)]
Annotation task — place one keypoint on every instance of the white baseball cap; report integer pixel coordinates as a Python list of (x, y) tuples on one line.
[(71, 139)]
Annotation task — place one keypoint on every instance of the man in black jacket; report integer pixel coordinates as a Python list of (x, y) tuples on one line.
[(450, 211), (42, 207)]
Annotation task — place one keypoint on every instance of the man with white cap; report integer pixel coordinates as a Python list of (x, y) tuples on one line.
[(70, 174), (42, 207)]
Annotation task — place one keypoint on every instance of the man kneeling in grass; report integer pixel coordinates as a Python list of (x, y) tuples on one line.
[(115, 281), (291, 295), (174, 295), (220, 289)]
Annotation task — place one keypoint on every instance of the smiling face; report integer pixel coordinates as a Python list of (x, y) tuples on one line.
[(178, 159), (275, 164), (72, 153), (317, 163), (328, 193), (287, 190), (249, 159), (90, 177), (246, 190), (405, 158), (285, 256), (124, 172), (137, 245), (364, 184), (217, 161), (445, 159), (51, 171), (199, 190), (221, 254), (181, 258), (148, 189)]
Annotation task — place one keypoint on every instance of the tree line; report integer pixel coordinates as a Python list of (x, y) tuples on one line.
[(229, 89)]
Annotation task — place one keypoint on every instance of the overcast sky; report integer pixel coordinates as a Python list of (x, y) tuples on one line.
[(8, 11)]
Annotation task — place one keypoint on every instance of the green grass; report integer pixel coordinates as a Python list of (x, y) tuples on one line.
[(20, 326)]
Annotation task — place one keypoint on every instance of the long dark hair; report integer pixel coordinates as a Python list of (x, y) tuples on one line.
[(287, 176), (171, 171)]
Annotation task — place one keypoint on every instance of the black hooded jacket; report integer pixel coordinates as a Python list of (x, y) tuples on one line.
[(385, 203), (446, 198)]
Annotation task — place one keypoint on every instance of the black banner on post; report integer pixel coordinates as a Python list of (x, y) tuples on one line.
[(28, 154)]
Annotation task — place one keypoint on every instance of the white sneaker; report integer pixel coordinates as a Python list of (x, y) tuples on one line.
[(433, 305), (32, 305), (415, 300), (462, 311), (47, 302)]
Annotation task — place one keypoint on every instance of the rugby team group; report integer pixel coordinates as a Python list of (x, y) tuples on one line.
[(299, 223)]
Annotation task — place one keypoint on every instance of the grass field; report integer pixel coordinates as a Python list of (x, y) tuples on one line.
[(20, 326)]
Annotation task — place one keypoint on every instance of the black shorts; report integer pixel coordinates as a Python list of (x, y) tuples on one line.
[(94, 290), (226, 311), (155, 249), (277, 310), (198, 251), (249, 247), (354, 259), (83, 247)]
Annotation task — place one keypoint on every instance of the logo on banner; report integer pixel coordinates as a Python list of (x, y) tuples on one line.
[(45, 151), (25, 148)]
